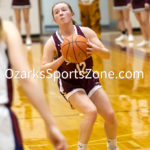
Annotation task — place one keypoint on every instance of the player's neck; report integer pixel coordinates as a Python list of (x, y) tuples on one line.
[(66, 31)]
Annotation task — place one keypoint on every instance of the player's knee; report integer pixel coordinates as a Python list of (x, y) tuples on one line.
[(120, 19), (92, 114), (144, 22), (111, 117), (18, 20), (126, 20), (26, 20)]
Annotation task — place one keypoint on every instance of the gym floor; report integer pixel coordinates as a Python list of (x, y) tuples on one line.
[(130, 99)]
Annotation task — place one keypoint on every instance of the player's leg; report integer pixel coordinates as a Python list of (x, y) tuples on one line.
[(27, 24), (18, 18), (145, 20), (83, 104), (141, 17), (126, 14), (121, 25), (104, 108)]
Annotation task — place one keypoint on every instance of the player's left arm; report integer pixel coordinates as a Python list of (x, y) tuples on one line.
[(95, 45)]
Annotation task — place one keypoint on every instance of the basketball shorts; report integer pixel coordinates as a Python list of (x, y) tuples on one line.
[(10, 137), (20, 4), (138, 7), (69, 87), (120, 5)]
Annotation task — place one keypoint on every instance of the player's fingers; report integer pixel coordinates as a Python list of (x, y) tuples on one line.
[(89, 49), (89, 44), (62, 146)]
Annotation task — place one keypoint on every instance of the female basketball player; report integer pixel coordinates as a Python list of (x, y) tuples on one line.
[(18, 6), (123, 14), (141, 11), (10, 137), (85, 95)]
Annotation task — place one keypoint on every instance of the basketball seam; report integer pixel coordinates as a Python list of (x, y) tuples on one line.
[(67, 49), (80, 47), (71, 42), (74, 50)]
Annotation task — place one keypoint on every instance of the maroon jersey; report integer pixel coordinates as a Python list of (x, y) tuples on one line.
[(72, 67), (90, 83)]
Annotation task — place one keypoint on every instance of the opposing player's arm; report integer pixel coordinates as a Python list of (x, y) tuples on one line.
[(30, 86), (48, 56), (18, 62), (95, 45)]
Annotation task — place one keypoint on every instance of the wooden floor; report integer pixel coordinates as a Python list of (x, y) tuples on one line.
[(130, 99)]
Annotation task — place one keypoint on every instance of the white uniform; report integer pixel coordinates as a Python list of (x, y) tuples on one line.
[(10, 138)]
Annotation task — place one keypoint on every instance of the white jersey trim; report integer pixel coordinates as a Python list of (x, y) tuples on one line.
[(72, 92), (93, 90), (139, 10), (121, 7), (20, 6), (59, 36)]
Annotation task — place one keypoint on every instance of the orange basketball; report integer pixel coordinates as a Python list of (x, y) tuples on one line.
[(73, 49)]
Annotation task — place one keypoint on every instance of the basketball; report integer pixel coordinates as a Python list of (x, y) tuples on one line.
[(73, 49)]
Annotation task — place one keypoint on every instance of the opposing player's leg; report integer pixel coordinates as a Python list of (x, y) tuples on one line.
[(104, 108)]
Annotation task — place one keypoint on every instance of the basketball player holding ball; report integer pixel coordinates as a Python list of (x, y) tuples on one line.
[(85, 95)]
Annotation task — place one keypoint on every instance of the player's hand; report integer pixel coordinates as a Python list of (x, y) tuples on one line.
[(57, 139), (91, 48), (147, 6)]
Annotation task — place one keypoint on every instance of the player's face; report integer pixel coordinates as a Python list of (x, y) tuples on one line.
[(62, 14)]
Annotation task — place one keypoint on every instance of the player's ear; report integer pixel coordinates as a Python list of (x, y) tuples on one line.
[(73, 14)]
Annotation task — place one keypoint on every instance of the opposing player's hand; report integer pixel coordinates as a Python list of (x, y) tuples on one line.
[(147, 6), (57, 139)]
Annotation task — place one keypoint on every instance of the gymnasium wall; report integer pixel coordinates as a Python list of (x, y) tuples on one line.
[(47, 23), (48, 19)]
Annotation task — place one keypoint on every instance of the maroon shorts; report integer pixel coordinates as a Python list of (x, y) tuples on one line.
[(19, 4), (138, 5), (69, 87)]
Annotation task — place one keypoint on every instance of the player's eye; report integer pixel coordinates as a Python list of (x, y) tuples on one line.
[(56, 12), (64, 9)]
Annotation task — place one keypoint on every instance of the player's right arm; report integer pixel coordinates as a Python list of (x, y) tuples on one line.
[(48, 56)]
